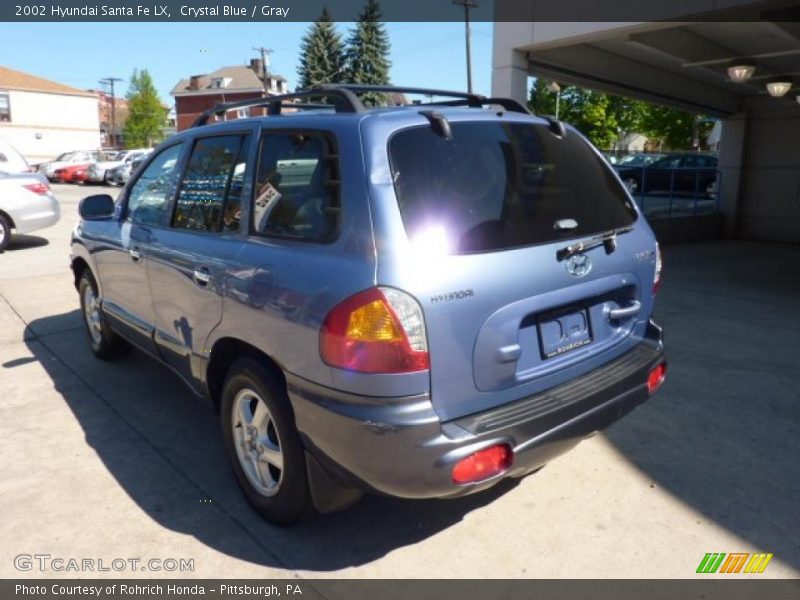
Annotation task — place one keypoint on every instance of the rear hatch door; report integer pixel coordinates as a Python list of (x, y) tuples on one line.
[(525, 252)]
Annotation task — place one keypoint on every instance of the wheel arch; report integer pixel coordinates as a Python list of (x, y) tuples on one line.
[(10, 219), (224, 353)]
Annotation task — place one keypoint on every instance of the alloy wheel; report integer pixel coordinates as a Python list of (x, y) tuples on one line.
[(257, 442), (91, 313)]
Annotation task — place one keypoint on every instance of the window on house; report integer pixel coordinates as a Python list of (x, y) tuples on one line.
[(5, 108), (211, 191)]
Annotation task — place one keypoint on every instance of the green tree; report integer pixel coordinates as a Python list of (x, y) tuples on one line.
[(606, 119), (596, 115), (367, 52), (673, 129), (145, 112), (321, 53)]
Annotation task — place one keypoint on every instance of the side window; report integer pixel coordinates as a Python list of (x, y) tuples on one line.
[(150, 193), (297, 187), (210, 194)]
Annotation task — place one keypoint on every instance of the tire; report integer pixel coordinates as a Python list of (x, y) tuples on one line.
[(104, 343), (267, 456), (5, 232)]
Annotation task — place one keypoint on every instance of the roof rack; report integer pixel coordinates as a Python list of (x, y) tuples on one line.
[(343, 99)]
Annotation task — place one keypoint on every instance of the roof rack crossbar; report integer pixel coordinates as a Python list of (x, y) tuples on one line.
[(473, 100), (506, 103), (343, 100)]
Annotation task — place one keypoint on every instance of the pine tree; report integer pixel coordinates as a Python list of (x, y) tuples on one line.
[(322, 53), (143, 128), (367, 52)]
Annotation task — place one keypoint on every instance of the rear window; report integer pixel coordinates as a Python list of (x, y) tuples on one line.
[(495, 186)]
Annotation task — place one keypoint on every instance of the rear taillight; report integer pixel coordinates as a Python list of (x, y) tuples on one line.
[(379, 330), (657, 275), (656, 378), (483, 464), (37, 188)]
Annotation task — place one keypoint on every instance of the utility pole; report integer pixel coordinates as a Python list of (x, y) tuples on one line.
[(265, 52), (468, 5), (110, 81)]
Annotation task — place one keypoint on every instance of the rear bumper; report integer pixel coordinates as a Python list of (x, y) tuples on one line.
[(37, 214), (399, 447)]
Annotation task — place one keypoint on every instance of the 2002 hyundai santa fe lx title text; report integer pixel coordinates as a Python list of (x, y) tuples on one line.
[(416, 300)]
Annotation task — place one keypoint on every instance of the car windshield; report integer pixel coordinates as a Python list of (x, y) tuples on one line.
[(67, 156), (502, 185)]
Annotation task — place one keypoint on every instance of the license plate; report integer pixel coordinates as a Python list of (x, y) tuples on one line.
[(564, 332)]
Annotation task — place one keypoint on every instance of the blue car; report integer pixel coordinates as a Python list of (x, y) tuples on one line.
[(416, 300)]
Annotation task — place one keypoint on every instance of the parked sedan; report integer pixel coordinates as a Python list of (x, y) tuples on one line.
[(67, 174), (638, 160), (679, 173), (26, 204), (48, 169), (98, 172), (121, 174)]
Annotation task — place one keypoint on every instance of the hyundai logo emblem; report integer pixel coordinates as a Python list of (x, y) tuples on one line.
[(579, 265)]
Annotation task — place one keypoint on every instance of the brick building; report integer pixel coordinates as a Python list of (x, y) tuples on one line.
[(198, 93)]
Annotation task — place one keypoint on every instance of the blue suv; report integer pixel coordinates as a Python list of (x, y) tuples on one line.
[(415, 300)]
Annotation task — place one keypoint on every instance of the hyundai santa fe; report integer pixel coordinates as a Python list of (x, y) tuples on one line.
[(415, 300)]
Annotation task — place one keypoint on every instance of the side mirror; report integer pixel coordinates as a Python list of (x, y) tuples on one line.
[(97, 207)]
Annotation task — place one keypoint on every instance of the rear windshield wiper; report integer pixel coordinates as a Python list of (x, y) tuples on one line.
[(607, 239)]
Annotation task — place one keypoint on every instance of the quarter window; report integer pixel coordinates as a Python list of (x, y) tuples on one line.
[(5, 107), (210, 194), (150, 194), (297, 188)]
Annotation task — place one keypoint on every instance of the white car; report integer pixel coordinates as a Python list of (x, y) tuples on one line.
[(26, 204), (48, 169), (12, 161), (98, 171)]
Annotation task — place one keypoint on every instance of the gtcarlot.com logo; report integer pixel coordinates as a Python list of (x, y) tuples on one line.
[(735, 562), (47, 562)]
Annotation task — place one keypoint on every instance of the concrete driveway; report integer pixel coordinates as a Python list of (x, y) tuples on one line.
[(116, 460)]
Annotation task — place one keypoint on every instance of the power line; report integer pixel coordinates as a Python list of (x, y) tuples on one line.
[(110, 81)]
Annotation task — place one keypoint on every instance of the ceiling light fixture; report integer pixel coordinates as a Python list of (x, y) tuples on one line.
[(740, 71), (778, 87)]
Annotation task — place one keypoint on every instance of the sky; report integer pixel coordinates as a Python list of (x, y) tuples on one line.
[(80, 54)]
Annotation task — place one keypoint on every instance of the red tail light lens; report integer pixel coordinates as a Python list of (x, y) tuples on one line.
[(657, 276), (656, 378), (483, 464), (379, 330), (37, 188)]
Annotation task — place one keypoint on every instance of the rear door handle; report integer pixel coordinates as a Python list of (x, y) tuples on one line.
[(623, 313), (136, 256), (202, 276)]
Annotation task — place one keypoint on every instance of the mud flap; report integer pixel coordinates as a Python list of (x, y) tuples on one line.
[(327, 494)]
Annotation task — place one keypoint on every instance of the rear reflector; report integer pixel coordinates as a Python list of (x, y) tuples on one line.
[(37, 188), (379, 330), (657, 276), (483, 464), (656, 378)]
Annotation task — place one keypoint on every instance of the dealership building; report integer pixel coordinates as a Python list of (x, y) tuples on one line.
[(740, 65)]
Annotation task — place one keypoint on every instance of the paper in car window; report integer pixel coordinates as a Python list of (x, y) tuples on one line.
[(267, 199)]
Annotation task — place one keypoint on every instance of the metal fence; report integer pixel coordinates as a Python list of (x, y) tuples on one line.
[(671, 193)]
